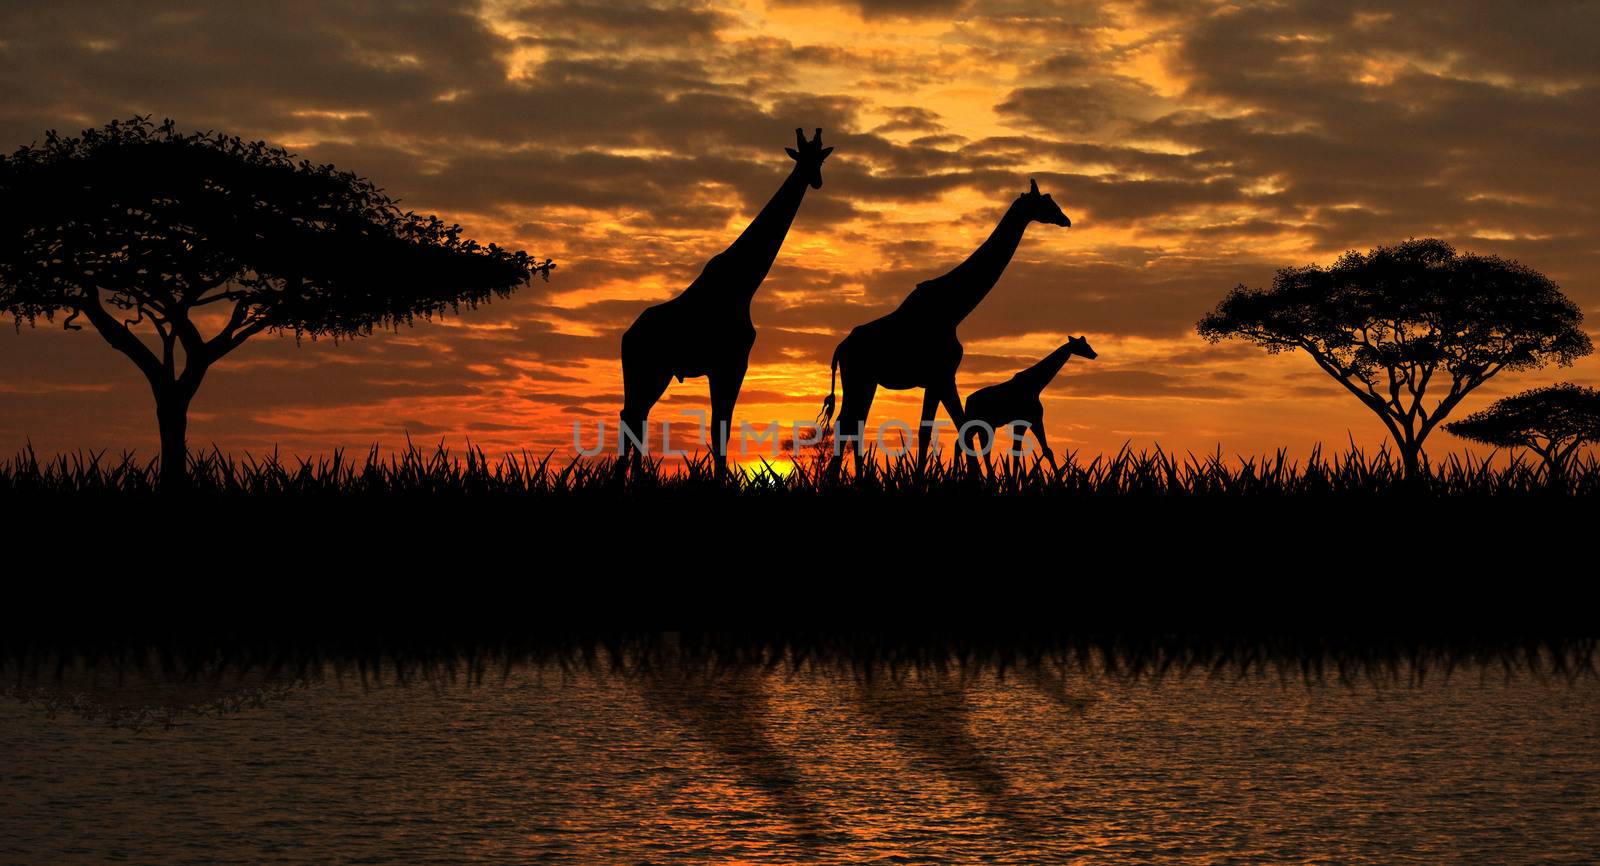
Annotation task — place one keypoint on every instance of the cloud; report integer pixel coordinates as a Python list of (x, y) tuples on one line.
[(872, 9), (625, 24), (1075, 108), (1141, 383), (910, 118), (1195, 148)]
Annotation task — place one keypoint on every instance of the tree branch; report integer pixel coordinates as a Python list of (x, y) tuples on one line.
[(222, 296), (194, 348), (240, 327), (1371, 400), (120, 338)]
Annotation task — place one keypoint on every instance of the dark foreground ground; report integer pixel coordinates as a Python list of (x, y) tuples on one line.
[(417, 563)]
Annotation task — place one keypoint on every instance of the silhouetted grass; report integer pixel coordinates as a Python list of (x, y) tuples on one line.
[(127, 681), (260, 658), (423, 542), (1143, 474)]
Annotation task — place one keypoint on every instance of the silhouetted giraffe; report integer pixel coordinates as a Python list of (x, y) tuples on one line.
[(915, 346), (706, 330), (1016, 401)]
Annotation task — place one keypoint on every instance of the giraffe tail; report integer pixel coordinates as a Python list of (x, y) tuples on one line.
[(825, 417)]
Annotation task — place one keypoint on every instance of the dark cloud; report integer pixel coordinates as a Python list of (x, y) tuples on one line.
[(241, 66), (910, 118), (597, 25), (1139, 383), (633, 139), (891, 8), (1074, 109), (1114, 199), (572, 399), (1341, 108)]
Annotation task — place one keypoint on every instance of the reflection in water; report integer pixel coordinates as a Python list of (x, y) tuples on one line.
[(924, 715), (927, 716), (727, 708), (146, 690), (138, 714), (680, 756)]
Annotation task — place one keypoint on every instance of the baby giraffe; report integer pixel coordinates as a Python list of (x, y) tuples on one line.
[(1016, 402)]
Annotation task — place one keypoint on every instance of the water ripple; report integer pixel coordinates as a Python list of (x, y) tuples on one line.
[(758, 765)]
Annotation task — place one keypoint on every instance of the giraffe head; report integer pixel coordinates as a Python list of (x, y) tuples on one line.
[(1041, 208), (809, 155), (1080, 347)]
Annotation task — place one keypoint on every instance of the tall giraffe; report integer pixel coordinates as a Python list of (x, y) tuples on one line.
[(1016, 401), (916, 346), (706, 330)]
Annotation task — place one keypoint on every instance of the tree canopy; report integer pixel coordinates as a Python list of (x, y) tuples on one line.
[(1553, 422), (139, 227), (161, 221), (1392, 323)]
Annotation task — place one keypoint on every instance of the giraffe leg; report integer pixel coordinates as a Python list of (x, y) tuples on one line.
[(952, 403), (858, 394), (1044, 444), (725, 387), (979, 441), (930, 407), (947, 395), (1018, 431), (642, 386)]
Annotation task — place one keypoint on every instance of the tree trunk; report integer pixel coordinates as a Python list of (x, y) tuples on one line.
[(1410, 456), (1555, 474), (172, 414)]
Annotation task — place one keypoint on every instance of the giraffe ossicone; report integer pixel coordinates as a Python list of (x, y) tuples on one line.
[(706, 330), (1015, 402), (915, 346)]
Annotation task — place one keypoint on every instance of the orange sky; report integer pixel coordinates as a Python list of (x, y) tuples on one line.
[(1194, 145)]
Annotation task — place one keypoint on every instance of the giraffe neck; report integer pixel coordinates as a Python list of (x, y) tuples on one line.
[(745, 263), (1043, 373), (970, 281)]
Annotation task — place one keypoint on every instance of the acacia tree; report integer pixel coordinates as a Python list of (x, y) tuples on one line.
[(156, 238), (1553, 422), (1393, 323)]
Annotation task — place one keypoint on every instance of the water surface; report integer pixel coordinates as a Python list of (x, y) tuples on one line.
[(811, 765)]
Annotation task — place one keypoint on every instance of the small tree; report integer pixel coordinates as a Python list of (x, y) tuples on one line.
[(140, 229), (1553, 422), (1388, 323)]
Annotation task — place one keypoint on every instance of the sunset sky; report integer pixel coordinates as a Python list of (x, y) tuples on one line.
[(1195, 146)]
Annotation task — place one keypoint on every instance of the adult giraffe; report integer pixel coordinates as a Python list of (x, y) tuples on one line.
[(706, 330), (915, 346)]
